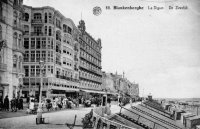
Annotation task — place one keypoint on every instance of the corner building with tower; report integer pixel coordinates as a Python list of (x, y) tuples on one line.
[(53, 38)]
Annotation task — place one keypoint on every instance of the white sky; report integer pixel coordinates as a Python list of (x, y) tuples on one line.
[(160, 50)]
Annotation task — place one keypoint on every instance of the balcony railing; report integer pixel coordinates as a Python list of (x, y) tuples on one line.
[(36, 34), (3, 67), (37, 21), (67, 78), (18, 27), (19, 49)]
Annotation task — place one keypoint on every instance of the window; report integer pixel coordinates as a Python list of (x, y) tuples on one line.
[(50, 31), (37, 70), (45, 30), (20, 41), (37, 30), (58, 35), (58, 23), (43, 45), (26, 17), (64, 28), (37, 56), (32, 56), (44, 55), (37, 16), (32, 70), (50, 18), (69, 30), (26, 29), (15, 40), (26, 43), (49, 56), (26, 56), (38, 43), (45, 17), (0, 31), (14, 61), (32, 43), (26, 68), (64, 60)]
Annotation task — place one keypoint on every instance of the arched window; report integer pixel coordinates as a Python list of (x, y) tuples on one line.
[(58, 35), (15, 61), (45, 17), (1, 33), (26, 17), (15, 44)]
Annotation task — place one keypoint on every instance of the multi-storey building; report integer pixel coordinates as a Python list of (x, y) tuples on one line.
[(90, 74), (118, 84), (53, 38), (11, 48)]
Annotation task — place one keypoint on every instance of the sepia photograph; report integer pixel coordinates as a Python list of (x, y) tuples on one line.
[(99, 64)]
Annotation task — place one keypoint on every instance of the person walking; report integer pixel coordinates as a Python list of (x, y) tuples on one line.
[(1, 104), (6, 103)]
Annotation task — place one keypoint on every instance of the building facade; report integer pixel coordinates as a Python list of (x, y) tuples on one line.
[(53, 38), (90, 74), (118, 84), (11, 48)]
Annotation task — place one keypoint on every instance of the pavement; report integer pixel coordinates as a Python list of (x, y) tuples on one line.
[(55, 119)]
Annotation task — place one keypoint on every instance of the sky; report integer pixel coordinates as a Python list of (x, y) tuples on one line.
[(158, 49)]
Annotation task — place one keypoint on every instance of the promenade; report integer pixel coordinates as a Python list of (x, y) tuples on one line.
[(56, 119)]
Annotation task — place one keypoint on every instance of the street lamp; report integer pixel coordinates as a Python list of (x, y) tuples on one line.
[(39, 111)]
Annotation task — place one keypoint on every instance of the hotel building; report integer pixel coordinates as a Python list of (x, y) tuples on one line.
[(90, 74), (53, 38)]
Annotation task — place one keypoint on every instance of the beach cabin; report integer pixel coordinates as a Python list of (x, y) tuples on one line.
[(192, 122)]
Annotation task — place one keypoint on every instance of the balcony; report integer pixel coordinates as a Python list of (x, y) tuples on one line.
[(3, 67), (67, 78), (19, 49), (36, 21), (18, 27), (36, 34)]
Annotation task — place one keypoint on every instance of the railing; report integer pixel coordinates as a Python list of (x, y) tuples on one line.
[(157, 111), (106, 121), (155, 117), (67, 78), (18, 26), (36, 34), (137, 121), (37, 21), (3, 67), (19, 48)]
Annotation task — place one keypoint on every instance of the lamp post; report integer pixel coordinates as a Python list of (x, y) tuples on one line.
[(39, 111)]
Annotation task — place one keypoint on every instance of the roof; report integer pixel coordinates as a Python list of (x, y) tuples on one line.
[(194, 117)]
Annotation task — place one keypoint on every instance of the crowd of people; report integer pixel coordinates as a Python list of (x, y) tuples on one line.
[(11, 105)]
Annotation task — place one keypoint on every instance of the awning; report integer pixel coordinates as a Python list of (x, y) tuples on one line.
[(93, 91)]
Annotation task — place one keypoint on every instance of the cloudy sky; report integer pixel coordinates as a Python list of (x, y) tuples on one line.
[(159, 49)]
